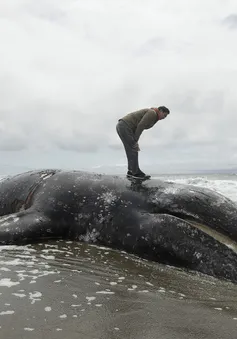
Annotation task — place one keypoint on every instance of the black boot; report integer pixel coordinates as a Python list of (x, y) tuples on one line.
[(141, 175), (146, 176)]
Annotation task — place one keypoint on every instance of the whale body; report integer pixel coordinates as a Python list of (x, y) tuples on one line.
[(181, 225)]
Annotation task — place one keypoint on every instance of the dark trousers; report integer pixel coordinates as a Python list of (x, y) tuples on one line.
[(127, 137)]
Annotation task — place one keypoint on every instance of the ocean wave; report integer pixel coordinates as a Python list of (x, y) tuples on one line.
[(226, 187)]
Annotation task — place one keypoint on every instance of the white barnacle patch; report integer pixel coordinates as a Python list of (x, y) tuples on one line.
[(45, 176), (219, 202), (90, 236), (109, 198), (171, 190), (6, 223), (198, 255), (5, 220), (82, 217), (51, 200)]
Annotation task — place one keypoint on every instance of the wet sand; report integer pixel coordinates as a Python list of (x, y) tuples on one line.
[(71, 290)]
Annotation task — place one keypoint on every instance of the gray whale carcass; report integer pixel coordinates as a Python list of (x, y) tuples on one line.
[(179, 225)]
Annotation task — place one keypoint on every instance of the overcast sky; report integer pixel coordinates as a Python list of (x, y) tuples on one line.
[(69, 69)]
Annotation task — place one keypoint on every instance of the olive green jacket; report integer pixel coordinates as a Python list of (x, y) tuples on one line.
[(139, 120)]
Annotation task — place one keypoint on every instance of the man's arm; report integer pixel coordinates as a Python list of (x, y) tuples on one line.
[(146, 122)]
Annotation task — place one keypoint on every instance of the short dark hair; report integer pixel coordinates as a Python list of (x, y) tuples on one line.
[(164, 109)]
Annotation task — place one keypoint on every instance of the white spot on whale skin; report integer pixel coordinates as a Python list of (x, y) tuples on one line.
[(28, 329), (90, 236), (121, 278), (109, 198), (182, 295), (46, 175), (171, 190), (6, 223), (8, 218), (198, 255), (5, 217)]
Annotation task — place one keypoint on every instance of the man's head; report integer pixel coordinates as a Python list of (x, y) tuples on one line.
[(163, 112)]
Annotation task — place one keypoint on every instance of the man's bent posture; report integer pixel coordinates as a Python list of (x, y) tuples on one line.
[(130, 128)]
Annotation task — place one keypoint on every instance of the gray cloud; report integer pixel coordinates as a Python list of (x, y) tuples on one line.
[(77, 146), (231, 21), (151, 46), (46, 10), (12, 144)]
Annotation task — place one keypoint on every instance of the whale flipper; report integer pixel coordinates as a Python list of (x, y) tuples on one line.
[(24, 226)]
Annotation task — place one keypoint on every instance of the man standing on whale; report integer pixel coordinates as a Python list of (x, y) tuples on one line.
[(130, 128)]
